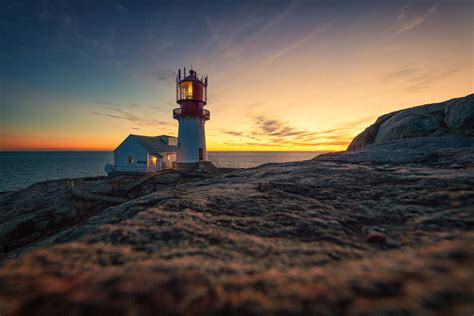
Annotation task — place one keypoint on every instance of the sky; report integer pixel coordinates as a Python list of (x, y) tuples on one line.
[(283, 75)]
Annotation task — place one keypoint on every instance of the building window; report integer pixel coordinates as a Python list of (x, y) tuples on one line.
[(131, 159)]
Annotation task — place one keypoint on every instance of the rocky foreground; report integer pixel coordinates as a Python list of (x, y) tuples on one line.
[(385, 228)]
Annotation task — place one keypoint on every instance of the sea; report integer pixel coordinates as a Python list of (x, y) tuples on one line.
[(19, 169)]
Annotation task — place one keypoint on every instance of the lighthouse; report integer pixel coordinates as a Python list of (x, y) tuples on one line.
[(191, 95)]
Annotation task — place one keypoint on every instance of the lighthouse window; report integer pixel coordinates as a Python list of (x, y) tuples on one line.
[(185, 90), (189, 92), (131, 159)]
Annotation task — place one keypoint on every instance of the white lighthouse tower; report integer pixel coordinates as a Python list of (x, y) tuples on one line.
[(191, 95)]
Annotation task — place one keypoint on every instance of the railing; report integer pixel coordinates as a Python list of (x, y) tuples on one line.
[(137, 168), (205, 114), (199, 77)]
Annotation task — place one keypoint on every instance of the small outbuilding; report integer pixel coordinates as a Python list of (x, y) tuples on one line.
[(144, 154)]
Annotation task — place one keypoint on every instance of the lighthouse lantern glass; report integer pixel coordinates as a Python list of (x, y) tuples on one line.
[(189, 90), (185, 90)]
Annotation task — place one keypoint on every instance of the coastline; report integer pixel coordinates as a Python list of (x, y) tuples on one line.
[(24, 168)]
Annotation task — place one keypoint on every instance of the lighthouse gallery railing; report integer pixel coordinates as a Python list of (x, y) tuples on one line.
[(195, 112)]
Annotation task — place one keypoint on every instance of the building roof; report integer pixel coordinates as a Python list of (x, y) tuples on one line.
[(155, 144)]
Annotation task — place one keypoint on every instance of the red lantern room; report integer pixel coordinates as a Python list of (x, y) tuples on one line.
[(191, 95)]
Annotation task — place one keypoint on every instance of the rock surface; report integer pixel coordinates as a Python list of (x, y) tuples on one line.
[(453, 117), (384, 230)]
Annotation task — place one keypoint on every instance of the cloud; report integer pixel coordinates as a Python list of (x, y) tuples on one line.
[(247, 35), (116, 105), (165, 76), (123, 112), (232, 133), (410, 79), (322, 143), (224, 39), (278, 128), (165, 45), (402, 73), (297, 43), (273, 132), (233, 39), (407, 21), (426, 80), (71, 34)]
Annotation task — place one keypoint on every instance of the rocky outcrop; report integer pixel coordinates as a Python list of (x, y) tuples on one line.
[(450, 118), (44, 209), (29, 217), (446, 152), (383, 230)]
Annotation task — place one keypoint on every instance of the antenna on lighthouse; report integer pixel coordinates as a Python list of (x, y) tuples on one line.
[(179, 74), (184, 72)]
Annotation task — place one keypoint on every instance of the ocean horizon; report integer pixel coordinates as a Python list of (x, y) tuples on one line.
[(20, 169)]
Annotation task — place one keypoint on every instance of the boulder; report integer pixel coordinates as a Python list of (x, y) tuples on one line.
[(453, 117)]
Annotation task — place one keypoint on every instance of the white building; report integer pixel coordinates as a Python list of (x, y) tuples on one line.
[(144, 154)]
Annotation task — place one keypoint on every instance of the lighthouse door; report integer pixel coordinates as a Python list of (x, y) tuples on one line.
[(200, 154)]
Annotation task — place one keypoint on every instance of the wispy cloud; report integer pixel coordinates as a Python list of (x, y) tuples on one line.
[(70, 35), (127, 112), (401, 73), (165, 45), (425, 80), (165, 76), (116, 105), (273, 127), (411, 79), (408, 20), (230, 38), (294, 45), (273, 132), (232, 133)]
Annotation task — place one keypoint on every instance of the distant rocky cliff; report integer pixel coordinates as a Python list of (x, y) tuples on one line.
[(453, 117), (383, 229)]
